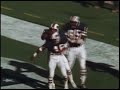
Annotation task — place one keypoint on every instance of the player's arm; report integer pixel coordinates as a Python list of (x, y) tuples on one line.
[(44, 35), (40, 49), (84, 34), (66, 45), (37, 52)]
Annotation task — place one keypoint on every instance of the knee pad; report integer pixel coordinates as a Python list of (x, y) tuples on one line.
[(69, 72), (65, 78)]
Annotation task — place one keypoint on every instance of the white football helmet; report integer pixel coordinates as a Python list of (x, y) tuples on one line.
[(75, 18), (54, 26), (74, 21), (55, 32)]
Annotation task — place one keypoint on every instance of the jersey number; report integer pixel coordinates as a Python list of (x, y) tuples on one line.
[(59, 48)]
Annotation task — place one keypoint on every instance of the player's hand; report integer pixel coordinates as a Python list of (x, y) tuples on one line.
[(81, 41)]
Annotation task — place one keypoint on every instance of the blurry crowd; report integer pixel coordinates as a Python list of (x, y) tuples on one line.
[(114, 5)]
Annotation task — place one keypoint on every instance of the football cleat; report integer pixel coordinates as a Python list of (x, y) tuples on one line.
[(74, 85), (83, 86), (53, 85)]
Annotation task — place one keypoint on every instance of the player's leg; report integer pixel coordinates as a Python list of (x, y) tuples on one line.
[(71, 57), (52, 66), (63, 71), (83, 69), (69, 72)]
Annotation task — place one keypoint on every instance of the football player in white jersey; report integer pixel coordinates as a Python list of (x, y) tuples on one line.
[(76, 33)]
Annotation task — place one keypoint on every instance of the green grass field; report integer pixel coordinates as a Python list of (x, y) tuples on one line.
[(103, 26)]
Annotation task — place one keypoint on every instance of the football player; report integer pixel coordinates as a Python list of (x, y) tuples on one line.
[(76, 33)]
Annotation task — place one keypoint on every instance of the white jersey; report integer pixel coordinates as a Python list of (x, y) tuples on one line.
[(74, 36)]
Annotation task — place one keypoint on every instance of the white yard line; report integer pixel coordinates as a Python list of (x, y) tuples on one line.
[(31, 15), (6, 8), (30, 33), (21, 30), (17, 86)]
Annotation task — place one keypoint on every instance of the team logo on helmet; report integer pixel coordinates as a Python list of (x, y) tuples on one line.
[(54, 29), (54, 26), (75, 18)]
